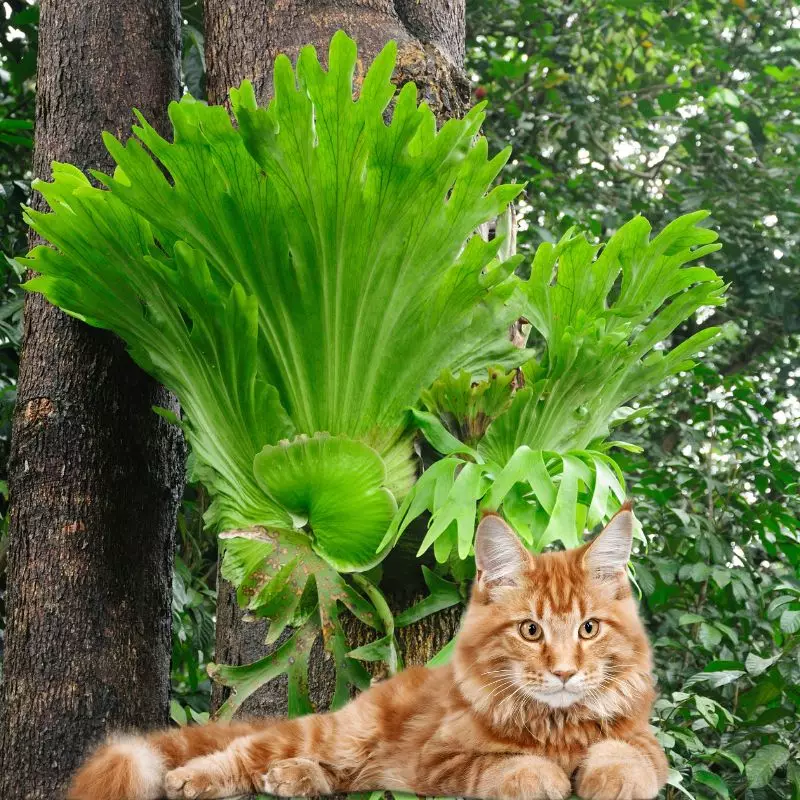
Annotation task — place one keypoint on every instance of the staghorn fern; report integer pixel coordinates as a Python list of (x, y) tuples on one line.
[(301, 280), (601, 322)]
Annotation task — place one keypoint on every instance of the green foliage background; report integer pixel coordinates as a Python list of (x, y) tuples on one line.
[(614, 108)]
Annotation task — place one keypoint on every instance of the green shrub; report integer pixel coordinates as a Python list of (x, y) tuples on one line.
[(717, 492)]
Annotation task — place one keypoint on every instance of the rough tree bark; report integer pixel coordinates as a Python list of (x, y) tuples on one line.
[(95, 476), (242, 39)]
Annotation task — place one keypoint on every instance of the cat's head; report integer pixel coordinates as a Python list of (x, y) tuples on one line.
[(553, 633)]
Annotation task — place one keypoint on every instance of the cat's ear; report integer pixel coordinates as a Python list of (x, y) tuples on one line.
[(609, 552), (500, 557)]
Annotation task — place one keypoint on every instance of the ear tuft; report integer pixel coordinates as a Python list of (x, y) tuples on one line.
[(500, 556), (609, 552)]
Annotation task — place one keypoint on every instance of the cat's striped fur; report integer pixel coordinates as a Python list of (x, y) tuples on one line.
[(522, 712)]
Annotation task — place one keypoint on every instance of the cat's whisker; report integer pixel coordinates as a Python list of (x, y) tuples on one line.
[(499, 690), (509, 677), (506, 681), (500, 672), (608, 701), (509, 674), (619, 683), (521, 688), (507, 685)]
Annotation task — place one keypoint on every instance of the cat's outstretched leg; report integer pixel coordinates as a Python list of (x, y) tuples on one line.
[(209, 777), (284, 758), (216, 775)]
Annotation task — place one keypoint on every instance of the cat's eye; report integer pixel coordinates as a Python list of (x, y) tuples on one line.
[(530, 630), (589, 629)]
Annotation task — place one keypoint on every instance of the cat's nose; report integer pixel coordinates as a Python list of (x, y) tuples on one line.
[(564, 674)]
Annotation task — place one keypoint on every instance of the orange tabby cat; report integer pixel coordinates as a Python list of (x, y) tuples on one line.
[(549, 688)]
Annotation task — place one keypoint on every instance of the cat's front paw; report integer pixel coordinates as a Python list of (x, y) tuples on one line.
[(296, 777), (539, 780), (554, 784), (614, 770)]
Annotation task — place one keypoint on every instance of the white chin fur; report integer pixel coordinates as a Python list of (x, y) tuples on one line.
[(558, 699)]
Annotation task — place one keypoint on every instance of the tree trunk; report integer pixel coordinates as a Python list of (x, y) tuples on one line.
[(95, 476), (242, 39)]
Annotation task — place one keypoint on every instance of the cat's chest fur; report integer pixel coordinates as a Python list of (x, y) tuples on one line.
[(557, 736)]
